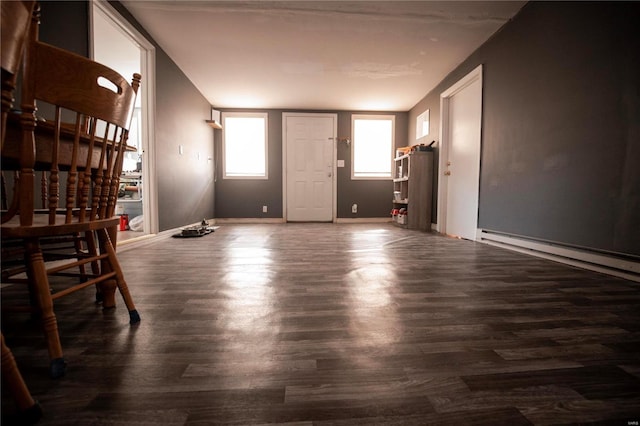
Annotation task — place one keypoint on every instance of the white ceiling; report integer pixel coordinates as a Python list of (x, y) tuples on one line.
[(336, 55)]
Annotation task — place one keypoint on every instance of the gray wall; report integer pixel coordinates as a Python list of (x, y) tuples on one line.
[(73, 37), (185, 184), (561, 125), (244, 198), (373, 197)]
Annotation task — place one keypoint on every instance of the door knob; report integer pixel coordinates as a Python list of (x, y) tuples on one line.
[(447, 173)]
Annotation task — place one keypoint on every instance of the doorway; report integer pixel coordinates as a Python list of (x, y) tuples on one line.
[(117, 44), (309, 184), (461, 121)]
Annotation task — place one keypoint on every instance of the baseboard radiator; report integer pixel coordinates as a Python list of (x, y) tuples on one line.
[(619, 264)]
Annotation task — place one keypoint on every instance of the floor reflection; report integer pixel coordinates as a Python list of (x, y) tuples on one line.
[(374, 320), (247, 308)]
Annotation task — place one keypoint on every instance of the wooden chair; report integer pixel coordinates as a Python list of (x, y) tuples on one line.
[(16, 18), (29, 410), (90, 152), (20, 21)]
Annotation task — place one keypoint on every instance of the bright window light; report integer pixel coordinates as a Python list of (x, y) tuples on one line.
[(244, 145), (372, 146), (422, 125)]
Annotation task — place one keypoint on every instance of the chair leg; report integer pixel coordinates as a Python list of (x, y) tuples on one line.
[(134, 316), (106, 290), (38, 276), (29, 409), (92, 249), (3, 190), (33, 299), (77, 245)]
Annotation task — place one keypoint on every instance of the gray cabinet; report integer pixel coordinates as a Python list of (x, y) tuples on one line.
[(412, 189)]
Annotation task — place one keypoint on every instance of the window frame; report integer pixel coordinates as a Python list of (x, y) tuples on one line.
[(263, 115), (372, 117)]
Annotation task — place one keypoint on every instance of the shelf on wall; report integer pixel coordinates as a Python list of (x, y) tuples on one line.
[(214, 124)]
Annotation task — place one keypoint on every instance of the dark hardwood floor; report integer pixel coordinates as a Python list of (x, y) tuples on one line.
[(314, 324)]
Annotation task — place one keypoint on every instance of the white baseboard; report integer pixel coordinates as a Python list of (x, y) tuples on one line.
[(610, 265), (232, 220), (146, 238), (246, 220), (363, 219), (135, 239)]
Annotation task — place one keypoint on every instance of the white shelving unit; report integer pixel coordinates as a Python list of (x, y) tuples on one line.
[(130, 188)]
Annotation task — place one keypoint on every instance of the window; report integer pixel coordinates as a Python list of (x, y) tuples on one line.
[(422, 125), (372, 147), (244, 145)]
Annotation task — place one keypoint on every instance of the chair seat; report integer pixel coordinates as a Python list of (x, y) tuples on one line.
[(42, 228)]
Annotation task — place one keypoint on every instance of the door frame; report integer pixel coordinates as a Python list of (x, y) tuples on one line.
[(334, 186), (148, 99), (445, 140)]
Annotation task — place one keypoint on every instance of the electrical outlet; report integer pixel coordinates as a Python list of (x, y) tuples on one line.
[(354, 208), (264, 209)]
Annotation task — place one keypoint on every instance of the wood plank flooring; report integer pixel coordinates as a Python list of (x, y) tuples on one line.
[(317, 324)]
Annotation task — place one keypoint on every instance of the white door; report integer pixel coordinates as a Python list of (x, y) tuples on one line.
[(309, 167), (462, 117)]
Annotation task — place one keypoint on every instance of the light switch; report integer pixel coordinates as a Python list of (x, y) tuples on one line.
[(340, 163)]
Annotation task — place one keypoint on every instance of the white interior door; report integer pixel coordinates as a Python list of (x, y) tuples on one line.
[(309, 167), (462, 118)]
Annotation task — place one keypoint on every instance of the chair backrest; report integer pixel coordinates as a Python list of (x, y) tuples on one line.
[(89, 150), (16, 19)]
